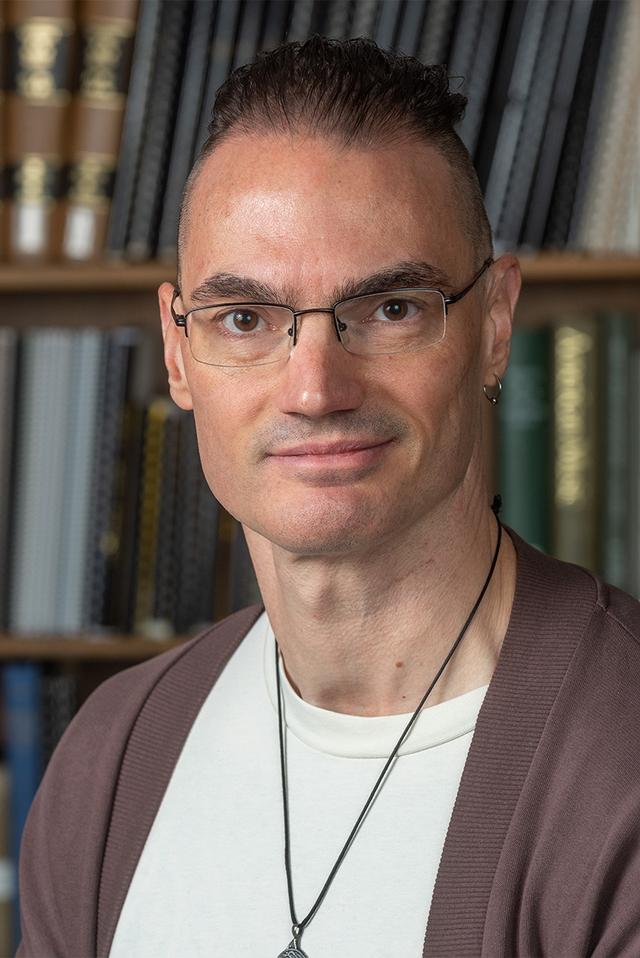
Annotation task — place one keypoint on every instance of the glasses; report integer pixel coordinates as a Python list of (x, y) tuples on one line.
[(375, 324)]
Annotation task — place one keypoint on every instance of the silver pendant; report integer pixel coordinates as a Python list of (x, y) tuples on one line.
[(292, 951)]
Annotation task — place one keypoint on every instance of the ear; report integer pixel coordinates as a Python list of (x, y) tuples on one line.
[(175, 345), (501, 296)]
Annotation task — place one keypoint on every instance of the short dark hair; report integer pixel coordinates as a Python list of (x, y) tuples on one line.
[(355, 94)]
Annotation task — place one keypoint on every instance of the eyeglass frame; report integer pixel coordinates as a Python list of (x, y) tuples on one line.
[(448, 299)]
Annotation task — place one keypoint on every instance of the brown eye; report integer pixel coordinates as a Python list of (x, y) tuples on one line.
[(242, 320), (397, 309)]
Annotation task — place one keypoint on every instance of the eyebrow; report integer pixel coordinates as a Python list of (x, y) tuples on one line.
[(405, 274)]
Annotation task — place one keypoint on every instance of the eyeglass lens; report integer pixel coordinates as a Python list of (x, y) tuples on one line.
[(252, 335)]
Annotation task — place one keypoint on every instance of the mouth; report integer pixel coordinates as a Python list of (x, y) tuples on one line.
[(346, 453)]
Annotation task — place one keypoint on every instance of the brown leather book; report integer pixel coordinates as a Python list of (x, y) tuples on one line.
[(41, 37), (106, 30)]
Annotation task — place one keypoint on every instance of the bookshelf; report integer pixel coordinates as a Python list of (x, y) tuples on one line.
[(111, 294)]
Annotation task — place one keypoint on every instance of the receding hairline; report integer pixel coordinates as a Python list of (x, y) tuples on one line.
[(469, 213)]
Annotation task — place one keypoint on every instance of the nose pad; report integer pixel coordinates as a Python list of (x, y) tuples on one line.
[(294, 330)]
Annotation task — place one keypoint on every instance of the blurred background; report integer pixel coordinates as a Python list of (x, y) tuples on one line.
[(111, 546)]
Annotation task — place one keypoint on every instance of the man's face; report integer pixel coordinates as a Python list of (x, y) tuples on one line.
[(304, 216)]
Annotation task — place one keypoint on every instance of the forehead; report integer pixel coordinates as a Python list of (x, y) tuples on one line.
[(304, 213)]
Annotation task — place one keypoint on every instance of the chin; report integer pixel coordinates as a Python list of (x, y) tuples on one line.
[(326, 528)]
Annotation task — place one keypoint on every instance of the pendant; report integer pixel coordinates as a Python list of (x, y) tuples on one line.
[(292, 951)]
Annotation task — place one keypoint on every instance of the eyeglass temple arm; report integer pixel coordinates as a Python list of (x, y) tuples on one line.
[(178, 318), (456, 297)]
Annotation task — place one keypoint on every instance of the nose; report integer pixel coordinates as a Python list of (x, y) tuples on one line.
[(320, 376)]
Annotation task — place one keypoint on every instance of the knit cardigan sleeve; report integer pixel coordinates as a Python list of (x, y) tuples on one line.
[(64, 837), (100, 793)]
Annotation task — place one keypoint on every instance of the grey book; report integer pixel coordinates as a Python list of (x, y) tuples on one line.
[(536, 108), (81, 444), (8, 407)]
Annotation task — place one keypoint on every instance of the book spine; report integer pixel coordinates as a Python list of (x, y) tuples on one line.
[(3, 145), (616, 442), (133, 126), (21, 693), (156, 144), (8, 877), (106, 44), (8, 366), (41, 51), (575, 398), (220, 56), (189, 106), (551, 149), (82, 440), (150, 502), (525, 437)]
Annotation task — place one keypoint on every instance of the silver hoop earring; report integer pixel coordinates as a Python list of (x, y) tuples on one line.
[(494, 396)]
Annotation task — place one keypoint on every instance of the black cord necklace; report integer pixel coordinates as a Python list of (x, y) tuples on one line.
[(293, 950)]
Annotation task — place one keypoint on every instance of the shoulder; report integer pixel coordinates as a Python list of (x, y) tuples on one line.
[(150, 708), (122, 696)]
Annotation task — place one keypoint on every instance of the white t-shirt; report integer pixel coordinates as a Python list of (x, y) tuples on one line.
[(211, 879)]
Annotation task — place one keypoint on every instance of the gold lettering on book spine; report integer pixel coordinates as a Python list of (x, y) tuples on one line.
[(104, 49), (90, 178), (38, 40), (32, 178), (572, 347)]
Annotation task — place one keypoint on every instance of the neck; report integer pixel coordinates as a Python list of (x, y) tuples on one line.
[(359, 639)]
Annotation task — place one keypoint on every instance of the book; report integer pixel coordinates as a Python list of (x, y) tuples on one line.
[(219, 64), (437, 31), (512, 108), (40, 65), (106, 44), (3, 169), (44, 407), (197, 536), (410, 29), (388, 23), (186, 125), (527, 149), (244, 584), (539, 202), (83, 438), (556, 229), (8, 365), (576, 396), (589, 149), (615, 459), (59, 703), (8, 876), (498, 96), (146, 202), (363, 18), (157, 414), (473, 58), (106, 532), (614, 170), (133, 126), (524, 415), (21, 699)]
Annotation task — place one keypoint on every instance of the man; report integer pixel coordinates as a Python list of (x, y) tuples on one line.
[(211, 803)]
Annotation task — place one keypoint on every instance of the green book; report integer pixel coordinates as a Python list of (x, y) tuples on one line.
[(576, 418), (524, 437), (615, 461)]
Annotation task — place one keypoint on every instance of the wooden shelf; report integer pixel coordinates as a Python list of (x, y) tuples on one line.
[(146, 277), (579, 268), (100, 277), (122, 648)]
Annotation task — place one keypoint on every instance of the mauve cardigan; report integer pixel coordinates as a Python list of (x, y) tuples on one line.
[(542, 854)]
